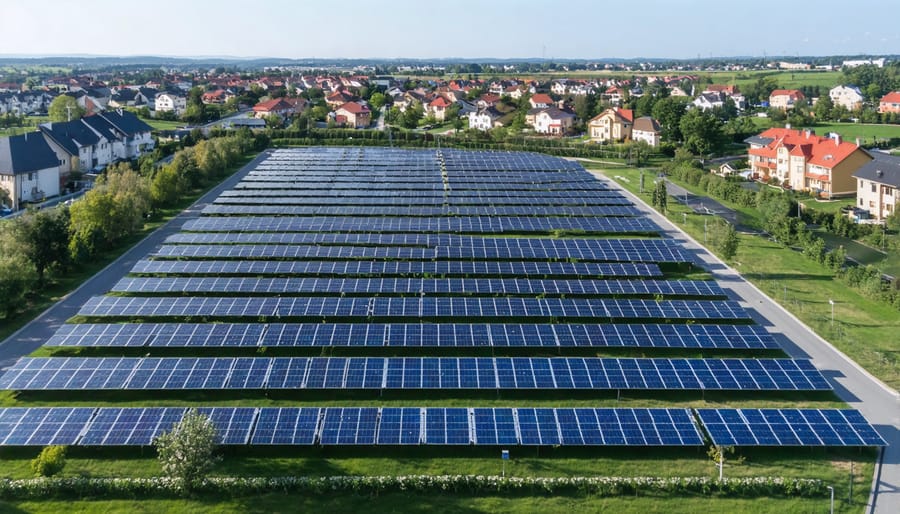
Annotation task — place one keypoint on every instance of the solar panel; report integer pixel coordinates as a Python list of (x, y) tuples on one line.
[(287, 426), (788, 427), (42, 426)]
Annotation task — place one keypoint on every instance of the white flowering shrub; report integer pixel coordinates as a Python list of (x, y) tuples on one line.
[(187, 452)]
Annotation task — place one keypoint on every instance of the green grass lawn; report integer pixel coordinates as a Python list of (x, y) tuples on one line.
[(864, 329), (867, 132), (163, 124)]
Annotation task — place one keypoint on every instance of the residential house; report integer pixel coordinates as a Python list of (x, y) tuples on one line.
[(339, 98), (95, 141), (169, 101), (484, 119), (614, 95), (613, 124), (890, 103), (803, 161), (29, 169), (124, 97), (848, 97), (878, 185), (282, 107), (541, 101), (216, 96), (487, 100), (353, 115), (646, 129), (554, 121), (709, 100), (438, 108), (728, 91), (785, 99)]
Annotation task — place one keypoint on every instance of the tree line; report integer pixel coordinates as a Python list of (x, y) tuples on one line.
[(49, 243)]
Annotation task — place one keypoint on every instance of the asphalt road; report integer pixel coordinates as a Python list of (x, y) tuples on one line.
[(31, 336), (862, 391)]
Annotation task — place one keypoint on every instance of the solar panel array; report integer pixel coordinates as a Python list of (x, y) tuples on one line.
[(174, 373), (416, 250), (454, 335)]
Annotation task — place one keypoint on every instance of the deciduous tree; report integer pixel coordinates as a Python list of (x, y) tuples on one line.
[(187, 452), (64, 108)]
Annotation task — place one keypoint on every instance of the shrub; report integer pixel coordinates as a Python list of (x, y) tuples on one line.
[(187, 451), (51, 461)]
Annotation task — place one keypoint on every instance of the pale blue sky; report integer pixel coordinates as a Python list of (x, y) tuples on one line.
[(458, 28)]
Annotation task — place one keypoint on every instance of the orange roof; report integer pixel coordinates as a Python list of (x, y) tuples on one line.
[(891, 98), (793, 93), (440, 101), (818, 151), (626, 114), (275, 104), (353, 107), (541, 98)]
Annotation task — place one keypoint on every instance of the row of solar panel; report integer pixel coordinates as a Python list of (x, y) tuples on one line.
[(501, 335), (273, 251), (398, 268), (389, 426), (574, 189), (424, 307), (458, 224), (613, 249), (451, 196), (403, 201), (341, 286), (404, 177), (415, 373), (359, 210)]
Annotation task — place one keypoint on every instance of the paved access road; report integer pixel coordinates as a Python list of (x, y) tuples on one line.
[(877, 402), (33, 335)]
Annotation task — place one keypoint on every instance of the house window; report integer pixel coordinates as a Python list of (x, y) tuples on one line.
[(31, 176), (874, 188), (888, 191), (860, 202), (888, 207), (871, 204)]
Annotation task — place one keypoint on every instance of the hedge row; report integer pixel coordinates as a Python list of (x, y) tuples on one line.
[(81, 487)]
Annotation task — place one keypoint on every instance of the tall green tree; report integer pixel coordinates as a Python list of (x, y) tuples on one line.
[(660, 197), (45, 239), (702, 132), (669, 111), (64, 108), (725, 238)]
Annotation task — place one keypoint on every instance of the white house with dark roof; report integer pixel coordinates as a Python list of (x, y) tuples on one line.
[(878, 185), (29, 169), (95, 141), (646, 129)]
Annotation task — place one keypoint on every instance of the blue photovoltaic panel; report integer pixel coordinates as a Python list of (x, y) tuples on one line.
[(287, 426), (788, 427), (349, 426), (42, 426), (399, 426)]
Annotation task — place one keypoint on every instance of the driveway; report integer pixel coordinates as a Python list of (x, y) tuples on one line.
[(706, 205)]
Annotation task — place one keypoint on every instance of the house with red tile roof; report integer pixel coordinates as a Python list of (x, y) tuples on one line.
[(353, 115), (541, 101), (785, 99), (890, 103), (283, 107), (613, 124), (801, 160), (438, 108)]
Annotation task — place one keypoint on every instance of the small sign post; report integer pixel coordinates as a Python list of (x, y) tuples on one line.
[(504, 454)]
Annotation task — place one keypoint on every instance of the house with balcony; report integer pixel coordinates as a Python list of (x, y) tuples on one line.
[(553, 121), (878, 185), (613, 124), (801, 160), (646, 129)]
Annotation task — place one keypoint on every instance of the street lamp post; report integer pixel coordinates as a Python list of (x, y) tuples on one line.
[(832, 311), (831, 490)]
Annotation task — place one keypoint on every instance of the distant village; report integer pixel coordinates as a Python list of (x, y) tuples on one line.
[(114, 113)]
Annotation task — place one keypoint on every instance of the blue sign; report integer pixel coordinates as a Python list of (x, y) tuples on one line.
[(504, 454)]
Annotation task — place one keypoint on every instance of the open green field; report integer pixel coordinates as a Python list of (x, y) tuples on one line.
[(785, 79), (864, 330), (867, 132), (163, 124)]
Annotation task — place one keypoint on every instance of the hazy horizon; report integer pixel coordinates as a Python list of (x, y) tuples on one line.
[(466, 29)]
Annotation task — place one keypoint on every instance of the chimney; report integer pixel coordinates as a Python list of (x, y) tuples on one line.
[(836, 137), (858, 142), (787, 126), (808, 133)]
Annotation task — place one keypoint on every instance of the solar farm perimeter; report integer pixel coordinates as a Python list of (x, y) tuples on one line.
[(410, 281)]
